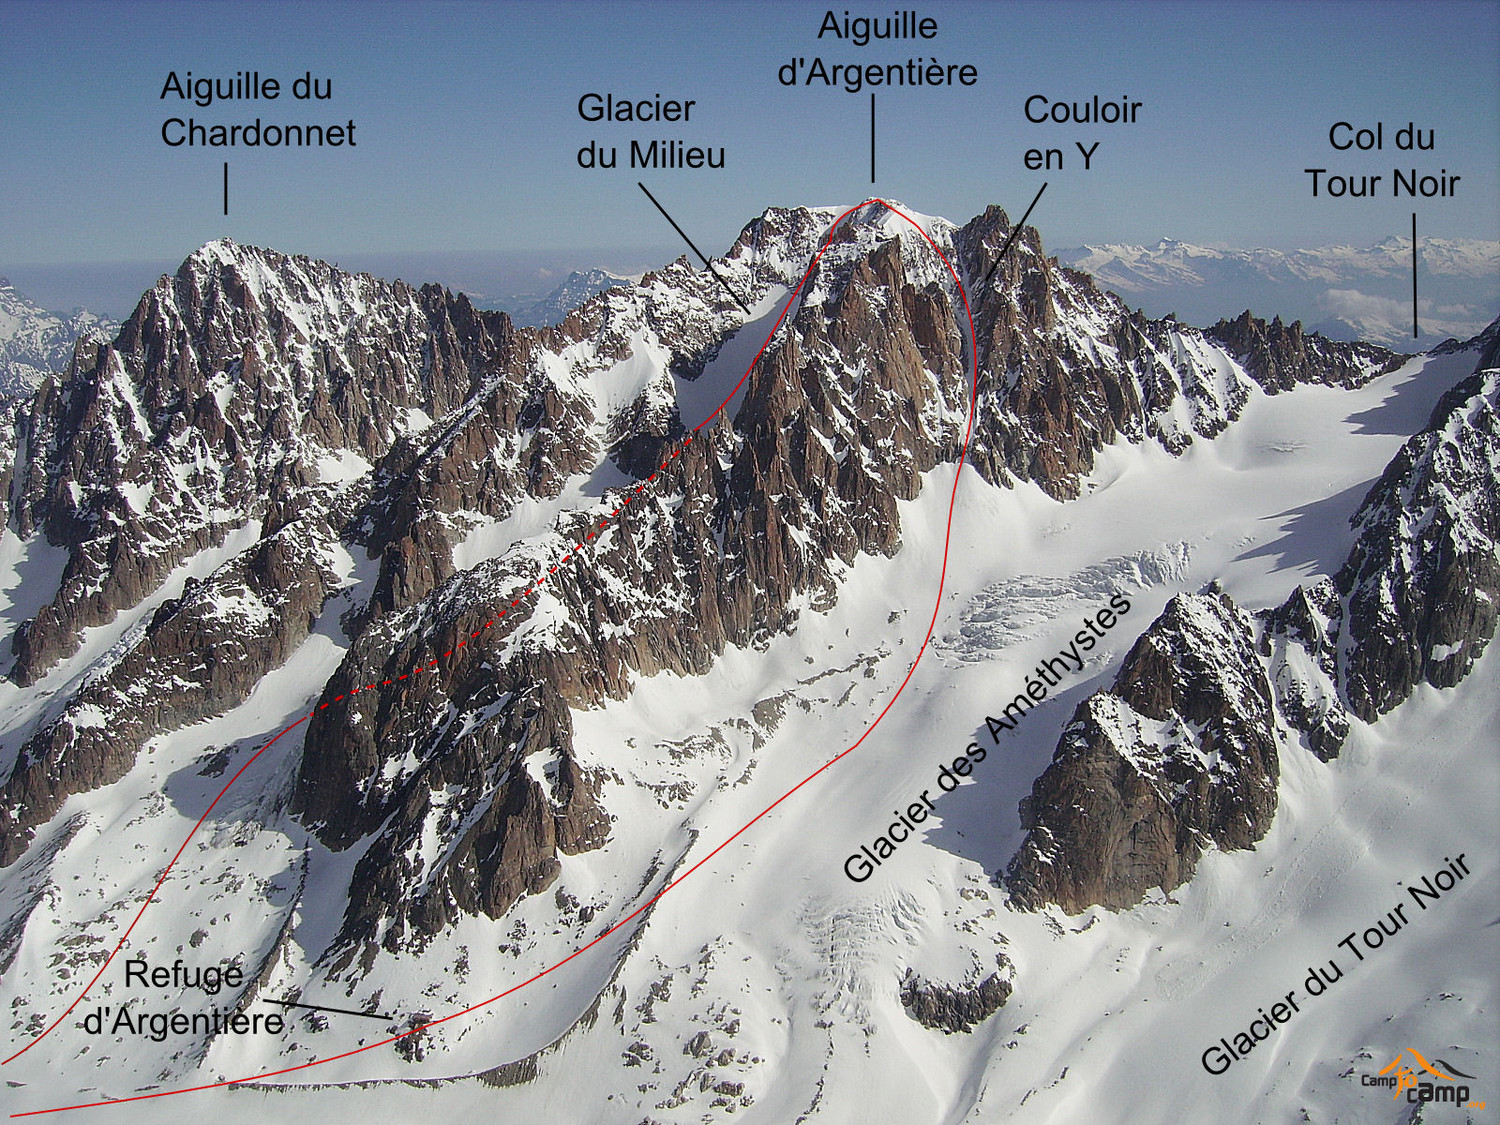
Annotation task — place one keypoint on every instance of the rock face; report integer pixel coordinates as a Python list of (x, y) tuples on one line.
[(1178, 755), (271, 447), (236, 390), (750, 516), (862, 392), (956, 1008), (1279, 356), (1422, 582), (261, 398), (1302, 632), (1415, 601), (1181, 753), (211, 645)]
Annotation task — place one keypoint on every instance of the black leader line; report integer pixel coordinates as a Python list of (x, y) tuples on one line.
[(340, 1011), (1014, 231), (1414, 331), (695, 249)]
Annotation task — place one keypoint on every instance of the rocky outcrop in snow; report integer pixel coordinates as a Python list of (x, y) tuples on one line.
[(956, 1008), (1415, 602), (1178, 755), (1181, 753)]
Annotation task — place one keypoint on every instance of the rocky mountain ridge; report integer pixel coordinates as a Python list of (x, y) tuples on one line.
[(1132, 267), (1348, 293), (1182, 752), (319, 416)]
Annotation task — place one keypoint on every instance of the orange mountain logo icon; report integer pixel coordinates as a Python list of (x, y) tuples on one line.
[(1405, 1072), (1406, 1077)]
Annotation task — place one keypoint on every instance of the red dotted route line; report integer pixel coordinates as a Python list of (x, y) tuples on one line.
[(638, 911), (432, 665)]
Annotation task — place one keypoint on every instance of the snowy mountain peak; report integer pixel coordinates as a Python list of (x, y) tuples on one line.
[(222, 250), (510, 627), (574, 290)]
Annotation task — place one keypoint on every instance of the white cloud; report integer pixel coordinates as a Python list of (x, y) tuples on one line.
[(1353, 305)]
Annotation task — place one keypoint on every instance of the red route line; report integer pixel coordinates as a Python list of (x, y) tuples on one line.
[(931, 625)]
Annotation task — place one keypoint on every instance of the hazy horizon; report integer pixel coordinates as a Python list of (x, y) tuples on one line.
[(511, 279), (471, 140), (491, 279)]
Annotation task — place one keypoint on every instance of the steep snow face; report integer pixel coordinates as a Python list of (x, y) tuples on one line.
[(507, 810)]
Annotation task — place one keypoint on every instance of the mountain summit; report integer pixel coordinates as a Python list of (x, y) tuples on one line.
[(500, 630)]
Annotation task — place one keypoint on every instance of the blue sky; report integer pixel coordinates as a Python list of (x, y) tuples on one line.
[(468, 127)]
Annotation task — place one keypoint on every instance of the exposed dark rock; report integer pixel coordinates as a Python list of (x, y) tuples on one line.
[(1486, 344), (221, 397), (666, 588), (1279, 356), (314, 412), (35, 344), (34, 881), (1415, 602), (1178, 755), (955, 1008), (1306, 684), (1422, 582), (199, 655)]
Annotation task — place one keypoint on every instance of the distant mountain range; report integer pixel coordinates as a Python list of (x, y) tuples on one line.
[(576, 288), (35, 342), (1346, 292)]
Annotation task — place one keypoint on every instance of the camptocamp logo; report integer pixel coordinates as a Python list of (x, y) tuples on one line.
[(1410, 1073)]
